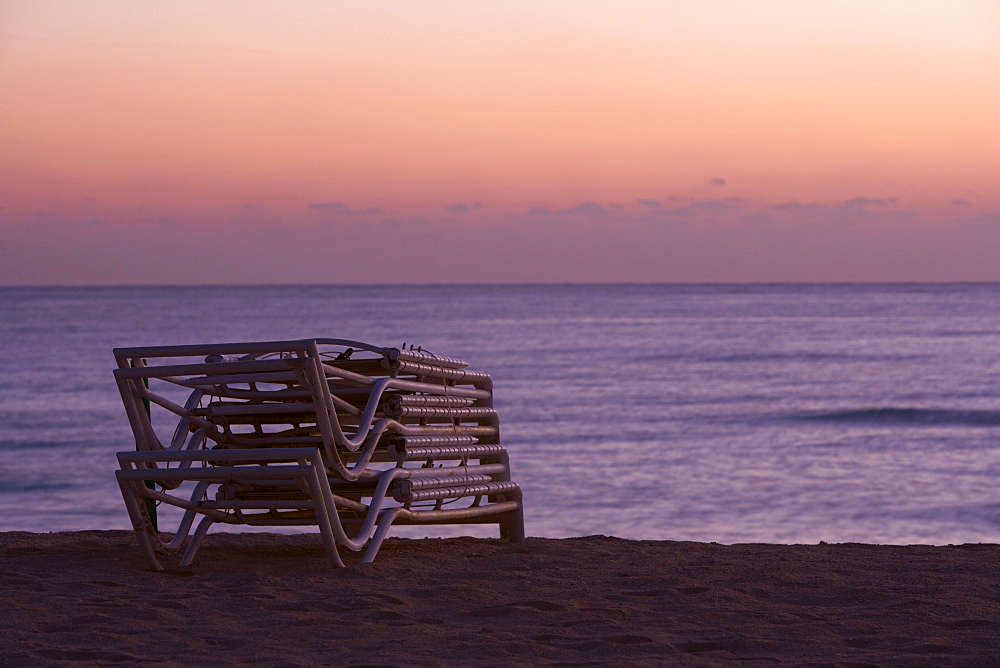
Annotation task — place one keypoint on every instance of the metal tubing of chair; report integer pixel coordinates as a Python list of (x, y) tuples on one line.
[(136, 417), (227, 392), (363, 457), (259, 409), (449, 452), (483, 489), (368, 527), (404, 490), (423, 357), (327, 419), (220, 381), (185, 525), (239, 504), (366, 423), (140, 524), (260, 454), (384, 524), (482, 393), (141, 407), (172, 500), (199, 535), (441, 412), (350, 344), (333, 435), (270, 408), (398, 400), (208, 370), (446, 471), (418, 441), (361, 537), (198, 350), (443, 430), (421, 516), (424, 370), (251, 440), (172, 407), (369, 432), (184, 424), (243, 347), (382, 425), (428, 482), (216, 473), (512, 526), (326, 513), (194, 443), (345, 406)]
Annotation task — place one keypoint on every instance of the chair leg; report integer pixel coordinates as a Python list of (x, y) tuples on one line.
[(196, 538), (326, 513), (512, 523), (141, 523), (512, 526), (385, 521), (185, 526)]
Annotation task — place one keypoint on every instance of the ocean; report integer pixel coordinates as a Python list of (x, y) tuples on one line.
[(784, 413)]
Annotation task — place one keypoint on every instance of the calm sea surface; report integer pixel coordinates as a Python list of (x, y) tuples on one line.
[(729, 413)]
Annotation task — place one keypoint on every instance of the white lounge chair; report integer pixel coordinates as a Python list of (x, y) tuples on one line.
[(351, 437)]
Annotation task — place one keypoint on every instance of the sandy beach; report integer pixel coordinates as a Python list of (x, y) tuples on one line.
[(86, 597)]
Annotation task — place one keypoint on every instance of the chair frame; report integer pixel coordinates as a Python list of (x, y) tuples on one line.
[(320, 468)]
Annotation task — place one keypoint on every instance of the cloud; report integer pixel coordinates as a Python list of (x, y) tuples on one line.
[(846, 211), (341, 209), (650, 203), (723, 204), (718, 182), (862, 202), (854, 204), (796, 206), (989, 219), (693, 208), (461, 207), (958, 201), (586, 209), (45, 221)]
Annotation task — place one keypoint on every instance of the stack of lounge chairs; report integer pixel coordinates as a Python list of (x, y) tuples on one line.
[(340, 434)]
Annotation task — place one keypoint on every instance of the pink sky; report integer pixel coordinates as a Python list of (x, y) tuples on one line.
[(330, 142)]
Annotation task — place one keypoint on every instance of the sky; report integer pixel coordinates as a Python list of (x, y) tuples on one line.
[(432, 141)]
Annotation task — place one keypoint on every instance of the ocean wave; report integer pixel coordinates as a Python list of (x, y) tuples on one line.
[(23, 486), (774, 357), (908, 416), (811, 356)]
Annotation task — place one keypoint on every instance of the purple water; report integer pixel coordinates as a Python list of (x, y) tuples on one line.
[(729, 413)]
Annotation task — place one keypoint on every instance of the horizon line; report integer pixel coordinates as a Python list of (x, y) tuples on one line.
[(493, 284)]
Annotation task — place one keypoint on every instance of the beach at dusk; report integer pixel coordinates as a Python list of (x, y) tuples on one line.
[(643, 333), (86, 598)]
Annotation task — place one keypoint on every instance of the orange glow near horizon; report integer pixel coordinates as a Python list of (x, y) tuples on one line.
[(202, 111)]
